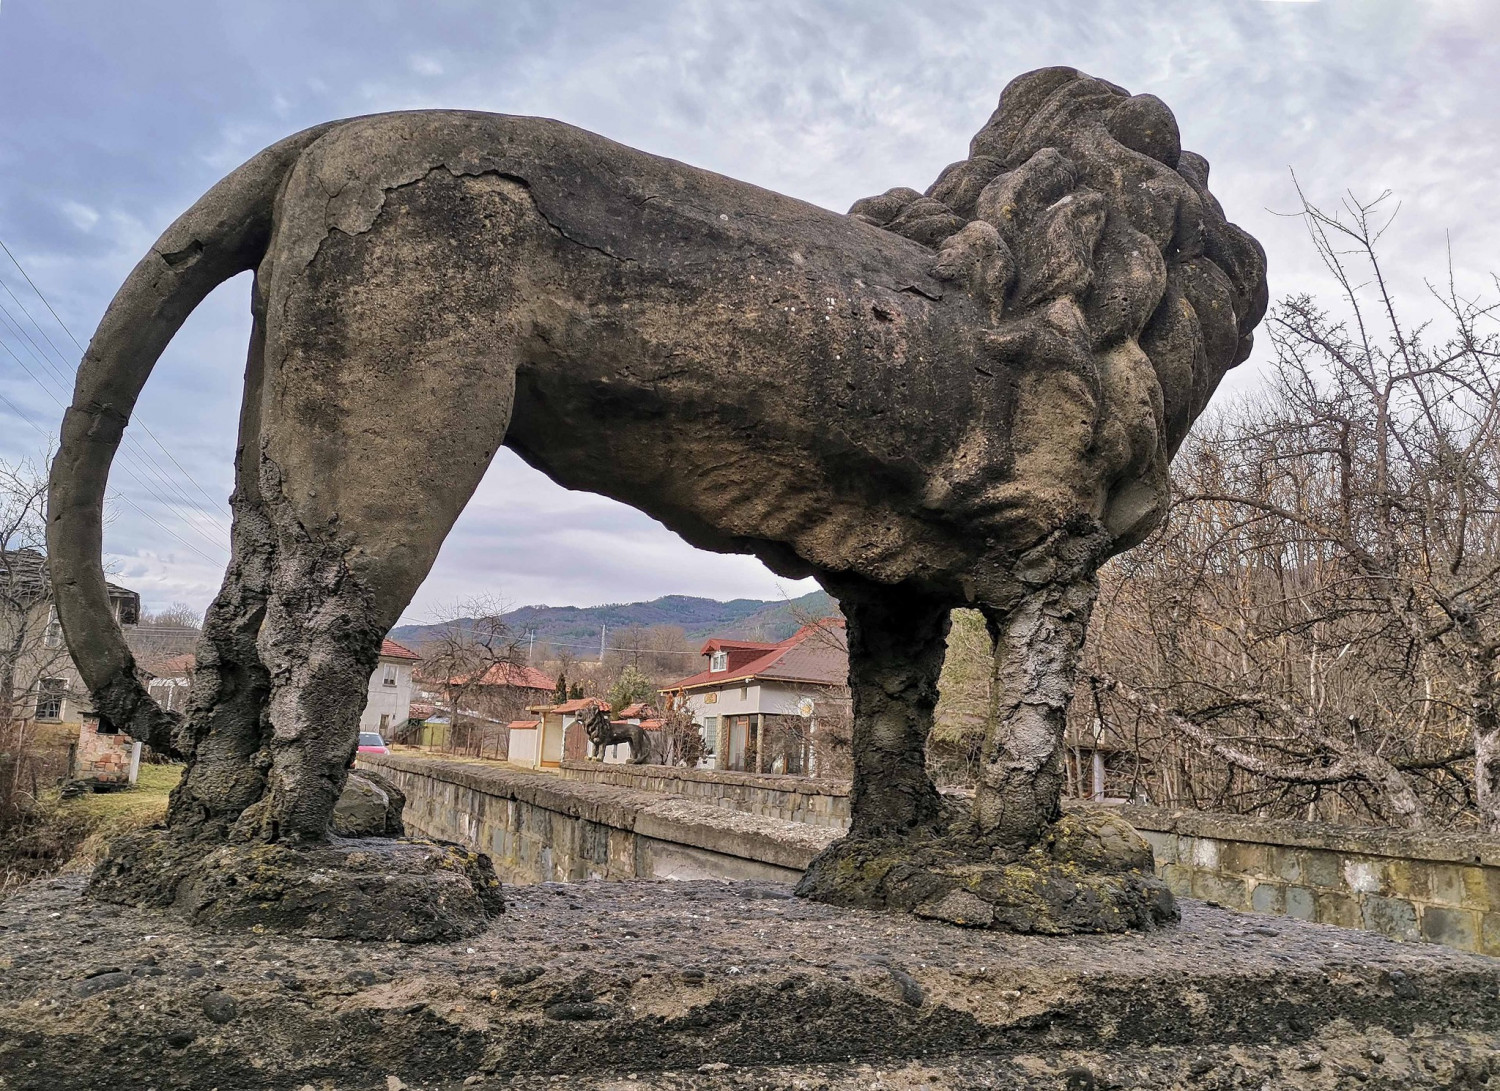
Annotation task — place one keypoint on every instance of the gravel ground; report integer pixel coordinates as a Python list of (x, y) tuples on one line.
[(656, 985)]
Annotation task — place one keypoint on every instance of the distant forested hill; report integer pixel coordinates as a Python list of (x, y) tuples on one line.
[(747, 619)]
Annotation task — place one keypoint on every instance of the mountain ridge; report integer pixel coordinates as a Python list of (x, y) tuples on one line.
[(699, 619)]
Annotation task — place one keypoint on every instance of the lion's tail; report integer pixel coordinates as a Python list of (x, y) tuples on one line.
[(225, 233)]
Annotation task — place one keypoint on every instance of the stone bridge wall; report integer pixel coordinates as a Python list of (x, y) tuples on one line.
[(621, 821), (541, 828), (1444, 888), (790, 798)]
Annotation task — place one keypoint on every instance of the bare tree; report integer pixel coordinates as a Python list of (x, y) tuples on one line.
[(32, 652), (177, 616), (1321, 615), (961, 720), (659, 652), (468, 661), (680, 741)]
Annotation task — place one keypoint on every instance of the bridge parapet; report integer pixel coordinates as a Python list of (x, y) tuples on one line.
[(539, 827)]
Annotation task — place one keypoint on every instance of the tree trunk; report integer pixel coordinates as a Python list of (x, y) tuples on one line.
[(1486, 712)]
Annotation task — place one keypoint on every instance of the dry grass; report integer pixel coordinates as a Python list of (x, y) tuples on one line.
[(106, 815), (71, 834)]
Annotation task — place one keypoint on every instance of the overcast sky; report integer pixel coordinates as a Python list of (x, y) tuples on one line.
[(114, 117)]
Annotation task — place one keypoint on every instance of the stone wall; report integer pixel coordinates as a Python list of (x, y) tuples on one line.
[(808, 800), (541, 828), (1443, 888), (618, 821)]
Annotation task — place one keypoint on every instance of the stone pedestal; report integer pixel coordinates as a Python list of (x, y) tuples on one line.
[(716, 984)]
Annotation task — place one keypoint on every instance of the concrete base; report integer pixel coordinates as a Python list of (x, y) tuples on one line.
[(714, 984)]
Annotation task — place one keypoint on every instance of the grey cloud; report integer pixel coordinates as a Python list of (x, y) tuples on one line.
[(131, 111)]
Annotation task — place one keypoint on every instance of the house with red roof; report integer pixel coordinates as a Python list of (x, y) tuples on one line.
[(757, 703), (487, 704), (389, 702)]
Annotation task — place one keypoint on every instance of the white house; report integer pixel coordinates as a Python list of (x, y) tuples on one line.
[(757, 702), (390, 690)]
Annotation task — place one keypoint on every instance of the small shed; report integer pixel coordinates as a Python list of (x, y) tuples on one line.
[(104, 755)]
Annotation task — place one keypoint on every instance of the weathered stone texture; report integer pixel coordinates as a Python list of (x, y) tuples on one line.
[(811, 801), (967, 396), (541, 828), (708, 985), (1442, 888)]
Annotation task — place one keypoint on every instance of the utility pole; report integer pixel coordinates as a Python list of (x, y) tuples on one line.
[(530, 643), (601, 642)]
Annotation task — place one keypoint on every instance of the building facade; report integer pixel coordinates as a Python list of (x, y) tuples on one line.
[(757, 703), (389, 702), (37, 674)]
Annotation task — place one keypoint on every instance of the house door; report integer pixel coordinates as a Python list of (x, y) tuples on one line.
[(552, 740), (739, 730)]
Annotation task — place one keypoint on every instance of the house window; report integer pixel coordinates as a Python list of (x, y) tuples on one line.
[(719, 661), (390, 675), (49, 698), (710, 733), (128, 610), (52, 636)]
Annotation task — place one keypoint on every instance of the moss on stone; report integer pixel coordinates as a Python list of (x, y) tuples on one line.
[(1091, 872)]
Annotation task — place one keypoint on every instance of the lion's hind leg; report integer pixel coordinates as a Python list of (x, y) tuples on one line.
[(390, 375)]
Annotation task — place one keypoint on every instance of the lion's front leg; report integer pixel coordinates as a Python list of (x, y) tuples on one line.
[(1013, 862)]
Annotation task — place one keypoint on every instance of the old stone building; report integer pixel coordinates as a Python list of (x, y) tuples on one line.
[(36, 672)]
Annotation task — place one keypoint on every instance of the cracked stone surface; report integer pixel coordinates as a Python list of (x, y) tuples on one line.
[(711, 984)]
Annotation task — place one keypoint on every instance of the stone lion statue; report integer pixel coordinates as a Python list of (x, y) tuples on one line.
[(966, 396), (603, 732)]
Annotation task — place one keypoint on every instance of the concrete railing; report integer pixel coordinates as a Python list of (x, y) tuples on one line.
[(614, 821), (810, 800), (1444, 888), (542, 828)]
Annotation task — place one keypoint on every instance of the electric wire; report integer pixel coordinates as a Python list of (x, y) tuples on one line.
[(39, 430), (131, 457), (81, 350), (125, 466), (133, 450), (132, 444)]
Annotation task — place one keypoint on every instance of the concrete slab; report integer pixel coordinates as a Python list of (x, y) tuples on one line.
[(657, 985)]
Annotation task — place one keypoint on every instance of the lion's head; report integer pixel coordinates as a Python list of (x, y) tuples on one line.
[(1119, 296)]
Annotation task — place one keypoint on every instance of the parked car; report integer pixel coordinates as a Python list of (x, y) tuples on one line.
[(370, 742)]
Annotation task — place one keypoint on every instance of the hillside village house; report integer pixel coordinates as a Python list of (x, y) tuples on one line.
[(487, 708), (757, 703), (390, 689), (45, 685), (38, 680)]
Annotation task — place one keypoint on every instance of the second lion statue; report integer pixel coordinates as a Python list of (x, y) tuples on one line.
[(966, 396), (603, 732)]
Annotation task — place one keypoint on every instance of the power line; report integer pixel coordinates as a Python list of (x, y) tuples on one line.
[(133, 447), (118, 496), (133, 455), (126, 466), (81, 350)]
